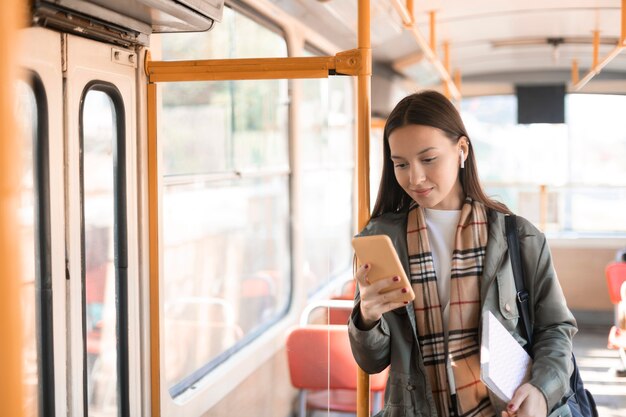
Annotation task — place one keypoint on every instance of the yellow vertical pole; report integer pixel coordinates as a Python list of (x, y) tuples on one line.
[(596, 48), (363, 140), (11, 382), (153, 208), (364, 116), (457, 79), (575, 76), (433, 35)]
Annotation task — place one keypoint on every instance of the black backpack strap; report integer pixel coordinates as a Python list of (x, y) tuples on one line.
[(582, 403), (512, 238)]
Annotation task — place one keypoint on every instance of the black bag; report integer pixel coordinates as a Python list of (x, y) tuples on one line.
[(580, 402)]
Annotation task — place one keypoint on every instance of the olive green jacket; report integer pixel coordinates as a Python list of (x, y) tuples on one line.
[(393, 340)]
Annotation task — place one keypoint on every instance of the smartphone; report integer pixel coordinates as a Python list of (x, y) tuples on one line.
[(379, 253)]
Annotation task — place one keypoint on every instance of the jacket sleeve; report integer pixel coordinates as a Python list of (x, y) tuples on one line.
[(553, 323), (370, 348)]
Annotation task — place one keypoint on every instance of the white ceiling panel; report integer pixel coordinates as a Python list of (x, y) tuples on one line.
[(474, 27)]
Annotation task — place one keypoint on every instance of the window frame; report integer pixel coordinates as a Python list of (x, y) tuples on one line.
[(42, 254), (120, 239)]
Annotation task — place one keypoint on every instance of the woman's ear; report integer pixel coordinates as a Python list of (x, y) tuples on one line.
[(463, 145)]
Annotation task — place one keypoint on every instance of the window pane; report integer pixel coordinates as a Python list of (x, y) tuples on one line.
[(597, 199), (99, 136), (376, 162), (575, 170), (226, 267), (225, 235), (230, 126), (236, 36), (26, 112), (598, 138), (327, 153), (207, 125), (514, 153)]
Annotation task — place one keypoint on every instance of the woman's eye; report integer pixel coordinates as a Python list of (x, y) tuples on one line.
[(428, 160), (400, 165)]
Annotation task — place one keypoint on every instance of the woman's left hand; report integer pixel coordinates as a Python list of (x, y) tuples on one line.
[(527, 401)]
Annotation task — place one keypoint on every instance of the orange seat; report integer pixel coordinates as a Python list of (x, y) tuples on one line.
[(321, 364), (349, 290), (337, 311), (339, 315), (615, 275)]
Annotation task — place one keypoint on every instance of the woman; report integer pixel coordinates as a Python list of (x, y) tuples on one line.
[(451, 239)]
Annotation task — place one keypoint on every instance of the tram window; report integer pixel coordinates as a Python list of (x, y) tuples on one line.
[(376, 161), (27, 116), (580, 163), (226, 217), (327, 155), (597, 199), (236, 36), (207, 126), (104, 263)]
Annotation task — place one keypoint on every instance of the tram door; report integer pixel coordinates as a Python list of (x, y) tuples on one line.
[(90, 89)]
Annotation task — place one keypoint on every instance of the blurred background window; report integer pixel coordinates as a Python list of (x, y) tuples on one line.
[(575, 170), (225, 208)]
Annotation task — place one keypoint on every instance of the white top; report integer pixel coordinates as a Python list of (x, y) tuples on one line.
[(441, 226)]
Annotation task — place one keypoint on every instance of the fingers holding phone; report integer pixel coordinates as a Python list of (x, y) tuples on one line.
[(383, 283), (361, 276), (376, 299)]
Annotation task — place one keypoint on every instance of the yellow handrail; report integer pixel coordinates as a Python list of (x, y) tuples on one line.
[(597, 65), (351, 62), (363, 193), (429, 52), (11, 382)]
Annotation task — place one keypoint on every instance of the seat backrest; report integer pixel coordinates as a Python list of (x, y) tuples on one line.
[(615, 276), (339, 315), (338, 311), (320, 357)]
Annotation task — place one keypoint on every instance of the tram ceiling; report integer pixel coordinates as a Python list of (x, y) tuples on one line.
[(484, 37)]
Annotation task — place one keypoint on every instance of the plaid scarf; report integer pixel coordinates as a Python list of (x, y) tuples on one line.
[(465, 395)]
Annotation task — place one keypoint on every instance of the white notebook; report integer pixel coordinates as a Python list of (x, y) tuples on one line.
[(504, 364)]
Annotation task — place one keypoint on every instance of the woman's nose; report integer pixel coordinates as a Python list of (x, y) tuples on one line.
[(416, 176)]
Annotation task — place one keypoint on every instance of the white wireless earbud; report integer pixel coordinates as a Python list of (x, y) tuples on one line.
[(462, 159)]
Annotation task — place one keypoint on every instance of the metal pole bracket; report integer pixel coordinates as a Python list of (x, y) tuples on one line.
[(354, 62)]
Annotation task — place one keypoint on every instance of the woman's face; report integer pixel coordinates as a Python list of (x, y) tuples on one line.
[(426, 163)]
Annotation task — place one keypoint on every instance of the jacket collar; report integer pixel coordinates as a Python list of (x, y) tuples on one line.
[(495, 253)]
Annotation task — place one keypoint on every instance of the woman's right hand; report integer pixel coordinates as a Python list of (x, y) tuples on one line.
[(373, 302)]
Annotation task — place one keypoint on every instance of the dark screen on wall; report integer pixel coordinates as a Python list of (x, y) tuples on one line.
[(540, 104)]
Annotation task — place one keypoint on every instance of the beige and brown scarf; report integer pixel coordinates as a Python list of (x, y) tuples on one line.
[(466, 394)]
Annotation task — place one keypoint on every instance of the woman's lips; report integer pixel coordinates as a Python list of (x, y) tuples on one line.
[(422, 193)]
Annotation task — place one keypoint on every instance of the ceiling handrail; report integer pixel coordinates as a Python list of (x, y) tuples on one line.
[(429, 53), (597, 66)]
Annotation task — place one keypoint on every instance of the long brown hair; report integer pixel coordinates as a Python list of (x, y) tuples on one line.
[(428, 108)]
